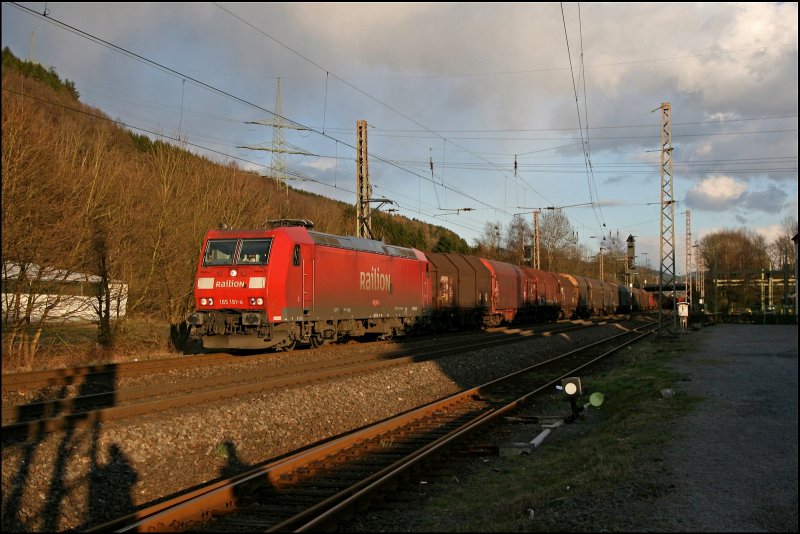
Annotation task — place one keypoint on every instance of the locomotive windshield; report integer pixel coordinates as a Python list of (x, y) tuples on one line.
[(254, 252), (220, 252), (251, 251)]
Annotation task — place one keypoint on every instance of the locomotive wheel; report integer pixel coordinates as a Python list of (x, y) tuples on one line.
[(290, 346), (317, 341)]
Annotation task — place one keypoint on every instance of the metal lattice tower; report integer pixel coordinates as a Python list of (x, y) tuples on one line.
[(278, 140), (689, 257), (363, 189), (278, 149), (666, 273)]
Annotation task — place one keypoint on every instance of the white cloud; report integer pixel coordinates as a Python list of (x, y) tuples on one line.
[(491, 78), (771, 232), (717, 193)]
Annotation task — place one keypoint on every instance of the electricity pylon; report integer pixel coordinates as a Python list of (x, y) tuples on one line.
[(278, 149), (666, 272)]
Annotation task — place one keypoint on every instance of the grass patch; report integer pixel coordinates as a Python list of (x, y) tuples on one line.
[(72, 345), (578, 463)]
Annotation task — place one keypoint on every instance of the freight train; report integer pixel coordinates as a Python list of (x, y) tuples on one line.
[(286, 285)]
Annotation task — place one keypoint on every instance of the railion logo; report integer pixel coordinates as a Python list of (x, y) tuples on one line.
[(229, 283), (373, 280)]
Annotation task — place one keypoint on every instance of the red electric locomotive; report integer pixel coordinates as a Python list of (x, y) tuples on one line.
[(276, 287), (273, 288)]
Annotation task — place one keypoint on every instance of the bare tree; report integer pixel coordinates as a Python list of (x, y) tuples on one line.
[(489, 243), (781, 250), (557, 237), (516, 234), (735, 260)]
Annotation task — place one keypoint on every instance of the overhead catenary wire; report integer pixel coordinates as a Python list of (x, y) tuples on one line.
[(446, 168), (227, 94), (584, 141), (358, 89)]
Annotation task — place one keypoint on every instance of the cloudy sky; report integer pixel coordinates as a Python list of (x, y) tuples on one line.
[(454, 94)]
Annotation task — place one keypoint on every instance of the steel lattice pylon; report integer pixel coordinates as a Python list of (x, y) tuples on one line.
[(279, 168), (278, 159), (666, 274)]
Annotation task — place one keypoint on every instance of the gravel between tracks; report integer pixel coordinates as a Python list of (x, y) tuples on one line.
[(92, 474)]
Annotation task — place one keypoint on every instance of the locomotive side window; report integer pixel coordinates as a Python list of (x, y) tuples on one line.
[(220, 252), (254, 252), (296, 256)]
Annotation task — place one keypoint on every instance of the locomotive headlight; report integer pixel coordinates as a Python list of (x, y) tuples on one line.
[(210, 302), (204, 301), (233, 272), (252, 301), (260, 301)]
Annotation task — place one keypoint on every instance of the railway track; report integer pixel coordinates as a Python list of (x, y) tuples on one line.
[(104, 375), (310, 490), (31, 419)]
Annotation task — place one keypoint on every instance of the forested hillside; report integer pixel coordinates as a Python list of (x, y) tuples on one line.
[(82, 194)]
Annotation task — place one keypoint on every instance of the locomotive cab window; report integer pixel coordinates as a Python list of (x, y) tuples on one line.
[(220, 252), (254, 252)]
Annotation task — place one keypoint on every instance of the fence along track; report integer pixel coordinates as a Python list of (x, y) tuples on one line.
[(308, 490)]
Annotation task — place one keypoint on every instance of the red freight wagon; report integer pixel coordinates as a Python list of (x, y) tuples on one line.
[(543, 294), (461, 289), (589, 296), (625, 298), (275, 287), (610, 300), (573, 302), (506, 291)]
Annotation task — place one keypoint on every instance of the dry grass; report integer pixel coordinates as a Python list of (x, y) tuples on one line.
[(576, 464), (73, 345)]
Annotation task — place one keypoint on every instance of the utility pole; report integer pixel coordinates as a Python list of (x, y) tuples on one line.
[(630, 263), (796, 295), (688, 281), (536, 240), (666, 272), (32, 48), (363, 189), (601, 263), (700, 280)]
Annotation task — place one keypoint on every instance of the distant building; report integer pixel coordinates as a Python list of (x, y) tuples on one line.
[(31, 293)]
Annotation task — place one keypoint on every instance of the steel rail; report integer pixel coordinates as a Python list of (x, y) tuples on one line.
[(320, 371), (224, 497)]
